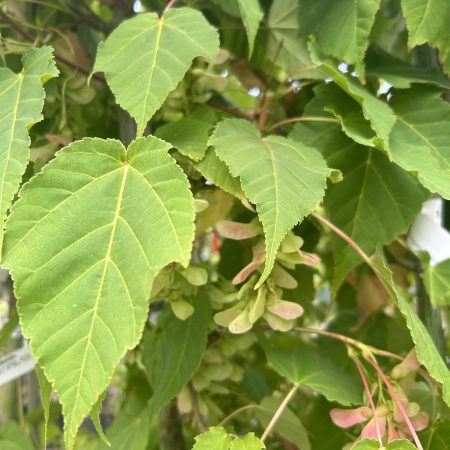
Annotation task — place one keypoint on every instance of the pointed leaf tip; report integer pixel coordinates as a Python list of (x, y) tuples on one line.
[(166, 47), (283, 178)]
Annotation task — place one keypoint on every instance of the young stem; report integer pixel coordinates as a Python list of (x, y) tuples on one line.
[(279, 412), (344, 236), (388, 285), (303, 119), (265, 102), (196, 408), (398, 403), (369, 396), (236, 412), (169, 5), (369, 262), (231, 110), (366, 349), (350, 341)]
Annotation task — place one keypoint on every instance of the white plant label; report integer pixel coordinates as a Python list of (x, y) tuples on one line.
[(427, 234), (15, 364)]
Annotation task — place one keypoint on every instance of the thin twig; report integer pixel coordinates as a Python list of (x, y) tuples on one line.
[(84, 14), (350, 341), (279, 412), (398, 403), (15, 26), (369, 396), (231, 110), (264, 103), (366, 349), (169, 5), (196, 409), (339, 337), (298, 72), (238, 411), (303, 119), (344, 236), (387, 283), (372, 265)]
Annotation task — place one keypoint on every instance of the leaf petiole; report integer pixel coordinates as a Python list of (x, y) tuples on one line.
[(279, 412)]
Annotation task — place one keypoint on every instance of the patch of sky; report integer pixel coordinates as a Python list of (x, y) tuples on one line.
[(254, 91), (137, 6)]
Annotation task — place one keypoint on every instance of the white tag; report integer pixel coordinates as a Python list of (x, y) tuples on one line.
[(427, 234), (433, 209), (15, 364)]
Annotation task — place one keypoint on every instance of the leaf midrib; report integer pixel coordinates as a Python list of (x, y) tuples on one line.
[(141, 123), (276, 187), (8, 156), (100, 288)]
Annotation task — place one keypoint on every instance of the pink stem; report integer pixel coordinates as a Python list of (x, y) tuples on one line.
[(344, 236), (399, 404), (169, 5), (369, 395)]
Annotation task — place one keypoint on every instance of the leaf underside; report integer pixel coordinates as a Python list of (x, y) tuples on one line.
[(283, 178), (21, 101), (83, 244), (146, 57)]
